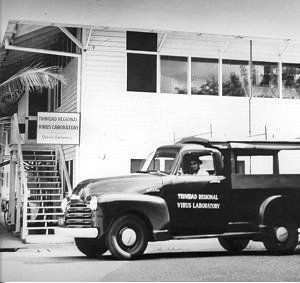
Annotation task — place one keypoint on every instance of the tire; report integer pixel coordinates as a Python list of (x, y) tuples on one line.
[(281, 238), (91, 247), (233, 244), (127, 237)]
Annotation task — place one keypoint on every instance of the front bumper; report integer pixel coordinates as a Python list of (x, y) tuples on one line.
[(77, 232)]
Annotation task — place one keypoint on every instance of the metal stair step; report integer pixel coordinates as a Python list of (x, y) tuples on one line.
[(41, 228), (46, 213), (39, 201), (43, 182), (46, 220), (45, 195), (44, 207), (25, 156), (38, 152), (42, 171), (44, 179), (40, 165), (49, 190)]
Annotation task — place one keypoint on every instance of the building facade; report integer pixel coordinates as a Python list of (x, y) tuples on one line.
[(146, 73)]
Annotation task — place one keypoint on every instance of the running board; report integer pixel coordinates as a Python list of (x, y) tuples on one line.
[(234, 234)]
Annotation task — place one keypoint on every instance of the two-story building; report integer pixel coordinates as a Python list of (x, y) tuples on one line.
[(139, 74)]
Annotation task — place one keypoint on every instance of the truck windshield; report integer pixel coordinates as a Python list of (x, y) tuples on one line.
[(161, 161)]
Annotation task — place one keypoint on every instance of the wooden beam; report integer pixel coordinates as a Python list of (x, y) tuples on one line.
[(161, 42), (37, 50), (88, 39), (71, 36)]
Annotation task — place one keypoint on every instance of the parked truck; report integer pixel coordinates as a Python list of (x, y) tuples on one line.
[(251, 192)]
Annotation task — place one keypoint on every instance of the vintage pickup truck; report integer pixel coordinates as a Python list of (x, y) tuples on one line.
[(251, 192)]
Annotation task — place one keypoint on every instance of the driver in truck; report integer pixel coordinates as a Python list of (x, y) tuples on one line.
[(195, 167)]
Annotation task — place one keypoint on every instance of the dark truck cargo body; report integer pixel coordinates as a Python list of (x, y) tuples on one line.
[(250, 191)]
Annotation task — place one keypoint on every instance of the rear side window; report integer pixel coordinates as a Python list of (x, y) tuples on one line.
[(254, 164), (289, 161)]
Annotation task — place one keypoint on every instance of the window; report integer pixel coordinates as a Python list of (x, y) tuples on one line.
[(204, 76), (136, 164), (289, 161), (141, 67), (173, 74), (55, 97), (160, 161), (254, 164), (141, 72), (203, 159), (143, 41), (265, 79), (291, 81), (235, 78), (180, 73)]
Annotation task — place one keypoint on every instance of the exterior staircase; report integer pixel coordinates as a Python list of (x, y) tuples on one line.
[(45, 191)]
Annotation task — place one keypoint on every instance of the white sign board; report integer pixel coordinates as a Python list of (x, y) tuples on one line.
[(58, 128)]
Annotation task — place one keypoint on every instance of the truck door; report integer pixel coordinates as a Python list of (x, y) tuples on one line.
[(197, 203)]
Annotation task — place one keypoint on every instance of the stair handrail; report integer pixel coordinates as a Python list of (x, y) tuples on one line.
[(65, 173), (16, 139)]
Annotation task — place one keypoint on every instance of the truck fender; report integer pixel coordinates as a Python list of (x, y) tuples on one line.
[(263, 208), (277, 206), (152, 209)]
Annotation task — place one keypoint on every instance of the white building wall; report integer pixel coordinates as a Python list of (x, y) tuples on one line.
[(118, 125), (69, 104)]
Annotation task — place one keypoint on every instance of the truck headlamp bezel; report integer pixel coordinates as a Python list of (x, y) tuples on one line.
[(93, 203)]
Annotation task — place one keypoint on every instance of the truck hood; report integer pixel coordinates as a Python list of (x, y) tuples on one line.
[(133, 183)]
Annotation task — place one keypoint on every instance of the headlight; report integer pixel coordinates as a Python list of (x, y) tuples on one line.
[(64, 204), (93, 203)]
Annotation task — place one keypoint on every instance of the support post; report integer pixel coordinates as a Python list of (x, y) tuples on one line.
[(12, 186), (250, 90), (19, 200)]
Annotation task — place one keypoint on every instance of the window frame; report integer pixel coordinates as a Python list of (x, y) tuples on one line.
[(142, 52), (220, 60)]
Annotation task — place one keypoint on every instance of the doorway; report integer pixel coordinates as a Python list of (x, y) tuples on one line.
[(38, 102)]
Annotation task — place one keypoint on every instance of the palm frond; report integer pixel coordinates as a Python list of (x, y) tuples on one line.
[(33, 77)]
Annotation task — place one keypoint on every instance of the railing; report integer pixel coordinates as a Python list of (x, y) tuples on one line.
[(18, 181), (64, 173), (19, 193)]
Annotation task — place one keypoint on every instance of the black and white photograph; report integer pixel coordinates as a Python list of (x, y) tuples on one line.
[(149, 140)]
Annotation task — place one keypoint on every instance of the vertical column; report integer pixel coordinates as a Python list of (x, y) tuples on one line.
[(158, 73), (280, 78), (12, 185), (250, 93), (189, 75), (19, 199), (220, 75)]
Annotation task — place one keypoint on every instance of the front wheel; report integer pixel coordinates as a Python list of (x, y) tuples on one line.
[(232, 244), (127, 237), (91, 247), (281, 237)]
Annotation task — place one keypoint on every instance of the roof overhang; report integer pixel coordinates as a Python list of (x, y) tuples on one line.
[(268, 18)]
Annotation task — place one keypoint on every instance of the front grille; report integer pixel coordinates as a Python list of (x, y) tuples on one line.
[(78, 215)]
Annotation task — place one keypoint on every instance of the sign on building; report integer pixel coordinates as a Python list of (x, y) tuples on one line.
[(58, 128)]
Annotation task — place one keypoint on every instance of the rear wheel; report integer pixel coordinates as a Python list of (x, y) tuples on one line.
[(281, 237), (233, 244), (91, 247), (127, 237)]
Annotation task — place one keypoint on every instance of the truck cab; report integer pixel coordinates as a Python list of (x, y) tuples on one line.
[(234, 191)]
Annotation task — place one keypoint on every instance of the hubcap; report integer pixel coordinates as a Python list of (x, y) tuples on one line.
[(128, 236), (282, 234)]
